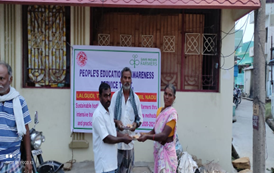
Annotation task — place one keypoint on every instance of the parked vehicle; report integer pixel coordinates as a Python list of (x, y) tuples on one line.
[(235, 97), (37, 138), (239, 93)]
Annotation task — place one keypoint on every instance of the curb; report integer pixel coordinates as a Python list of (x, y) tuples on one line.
[(246, 98), (251, 99), (270, 123)]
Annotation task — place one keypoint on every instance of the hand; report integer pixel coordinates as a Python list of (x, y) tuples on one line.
[(28, 167), (127, 139), (120, 125), (134, 126), (142, 138), (143, 133)]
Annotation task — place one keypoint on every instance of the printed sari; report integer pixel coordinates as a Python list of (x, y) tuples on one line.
[(165, 159)]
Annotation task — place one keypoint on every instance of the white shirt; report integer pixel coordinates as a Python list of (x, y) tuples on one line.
[(127, 116), (105, 155)]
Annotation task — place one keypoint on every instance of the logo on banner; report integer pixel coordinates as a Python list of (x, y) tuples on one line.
[(81, 59), (134, 61), (143, 61)]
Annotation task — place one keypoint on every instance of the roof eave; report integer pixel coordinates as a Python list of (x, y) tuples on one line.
[(178, 4)]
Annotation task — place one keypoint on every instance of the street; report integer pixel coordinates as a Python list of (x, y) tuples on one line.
[(242, 133)]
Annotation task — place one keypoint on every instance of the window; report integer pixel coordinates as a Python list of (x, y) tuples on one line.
[(201, 50), (188, 40), (46, 31)]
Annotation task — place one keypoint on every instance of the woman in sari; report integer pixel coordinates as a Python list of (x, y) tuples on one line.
[(164, 135)]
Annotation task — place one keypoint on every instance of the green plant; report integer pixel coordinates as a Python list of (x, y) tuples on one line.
[(268, 110)]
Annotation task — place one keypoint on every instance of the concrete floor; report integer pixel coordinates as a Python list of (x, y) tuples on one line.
[(88, 167), (242, 133)]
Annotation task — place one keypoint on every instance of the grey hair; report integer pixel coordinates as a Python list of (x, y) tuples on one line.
[(124, 70), (172, 87), (8, 67)]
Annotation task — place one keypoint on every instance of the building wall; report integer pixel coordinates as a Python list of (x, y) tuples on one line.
[(269, 23), (8, 35), (238, 38), (204, 124), (239, 80), (245, 59), (247, 82)]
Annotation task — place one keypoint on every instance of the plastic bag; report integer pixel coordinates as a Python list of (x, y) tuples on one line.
[(179, 148), (187, 164)]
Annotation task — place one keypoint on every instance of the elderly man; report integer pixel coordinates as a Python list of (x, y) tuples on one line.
[(105, 135), (14, 119), (125, 105)]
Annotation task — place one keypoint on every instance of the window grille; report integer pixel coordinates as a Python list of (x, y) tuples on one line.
[(46, 51)]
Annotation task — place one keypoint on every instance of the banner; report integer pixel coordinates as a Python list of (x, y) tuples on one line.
[(92, 65)]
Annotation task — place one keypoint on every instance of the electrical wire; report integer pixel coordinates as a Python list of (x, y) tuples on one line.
[(72, 161), (242, 57), (228, 33), (238, 44), (256, 100), (224, 61), (261, 46), (245, 24), (235, 25)]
